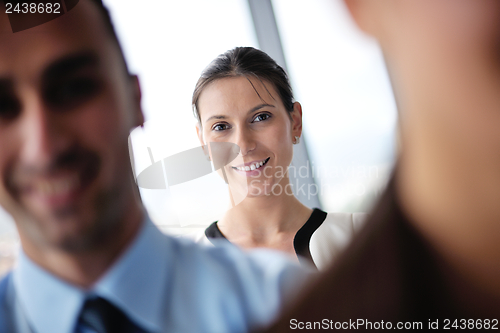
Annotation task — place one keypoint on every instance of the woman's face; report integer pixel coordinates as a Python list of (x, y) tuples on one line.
[(249, 113)]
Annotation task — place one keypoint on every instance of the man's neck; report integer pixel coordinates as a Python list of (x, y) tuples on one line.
[(85, 268)]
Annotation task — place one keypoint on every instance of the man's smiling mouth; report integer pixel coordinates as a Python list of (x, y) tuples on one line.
[(59, 186)]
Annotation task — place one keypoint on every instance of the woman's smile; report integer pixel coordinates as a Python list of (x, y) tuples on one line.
[(247, 168)]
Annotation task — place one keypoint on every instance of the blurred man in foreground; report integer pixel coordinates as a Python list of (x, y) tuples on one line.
[(431, 250), (91, 260)]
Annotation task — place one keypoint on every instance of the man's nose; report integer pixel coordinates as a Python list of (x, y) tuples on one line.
[(44, 135)]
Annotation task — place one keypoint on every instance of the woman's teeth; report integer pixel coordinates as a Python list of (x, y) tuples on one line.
[(253, 166)]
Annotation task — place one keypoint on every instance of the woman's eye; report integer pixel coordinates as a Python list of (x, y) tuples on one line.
[(220, 127), (262, 117)]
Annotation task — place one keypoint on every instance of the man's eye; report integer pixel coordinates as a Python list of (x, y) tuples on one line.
[(220, 127), (73, 91), (9, 108), (262, 117)]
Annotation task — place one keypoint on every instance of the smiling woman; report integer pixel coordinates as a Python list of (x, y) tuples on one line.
[(244, 97)]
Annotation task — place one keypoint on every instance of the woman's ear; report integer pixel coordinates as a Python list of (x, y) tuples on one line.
[(199, 132), (296, 115)]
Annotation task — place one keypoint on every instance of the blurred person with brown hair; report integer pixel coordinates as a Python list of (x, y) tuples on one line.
[(431, 249), (91, 259)]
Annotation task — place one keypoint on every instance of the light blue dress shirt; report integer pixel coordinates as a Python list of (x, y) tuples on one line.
[(166, 284)]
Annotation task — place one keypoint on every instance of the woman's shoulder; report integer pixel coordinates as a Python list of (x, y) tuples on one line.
[(209, 236), (199, 236), (349, 221), (333, 236)]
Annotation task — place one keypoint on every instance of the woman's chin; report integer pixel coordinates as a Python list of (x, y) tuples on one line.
[(256, 192), (243, 190), (241, 193)]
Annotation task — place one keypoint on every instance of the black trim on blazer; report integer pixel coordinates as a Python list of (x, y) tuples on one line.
[(300, 241)]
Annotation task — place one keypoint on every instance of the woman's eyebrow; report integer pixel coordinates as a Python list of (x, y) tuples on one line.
[(216, 117), (260, 106)]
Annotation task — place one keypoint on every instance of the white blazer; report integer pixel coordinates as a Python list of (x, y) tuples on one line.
[(333, 235), (326, 242)]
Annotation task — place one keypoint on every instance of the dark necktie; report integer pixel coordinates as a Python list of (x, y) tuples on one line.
[(103, 317)]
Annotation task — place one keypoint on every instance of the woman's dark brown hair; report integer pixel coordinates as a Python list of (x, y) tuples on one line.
[(247, 62)]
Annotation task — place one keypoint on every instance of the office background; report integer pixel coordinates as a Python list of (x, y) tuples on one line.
[(337, 74)]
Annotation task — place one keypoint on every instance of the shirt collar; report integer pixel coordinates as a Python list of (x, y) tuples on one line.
[(135, 284), (49, 304), (137, 281)]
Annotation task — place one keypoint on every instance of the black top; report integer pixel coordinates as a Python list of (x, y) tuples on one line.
[(300, 241)]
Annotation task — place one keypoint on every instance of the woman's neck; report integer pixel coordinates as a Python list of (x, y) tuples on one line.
[(265, 221)]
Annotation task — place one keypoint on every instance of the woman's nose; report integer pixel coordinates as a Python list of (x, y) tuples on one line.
[(246, 141)]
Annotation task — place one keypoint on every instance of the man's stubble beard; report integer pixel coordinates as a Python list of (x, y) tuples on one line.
[(105, 218), (108, 219), (108, 210)]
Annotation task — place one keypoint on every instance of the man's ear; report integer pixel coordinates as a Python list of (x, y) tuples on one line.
[(296, 119), (137, 96)]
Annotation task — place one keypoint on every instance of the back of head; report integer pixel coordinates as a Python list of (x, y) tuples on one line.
[(430, 250)]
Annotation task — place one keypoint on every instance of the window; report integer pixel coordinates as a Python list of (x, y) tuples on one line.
[(168, 44), (338, 75)]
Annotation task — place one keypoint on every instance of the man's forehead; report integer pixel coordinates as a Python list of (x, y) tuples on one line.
[(83, 12), (30, 51)]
